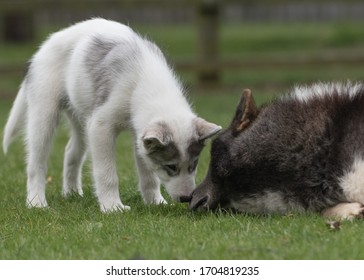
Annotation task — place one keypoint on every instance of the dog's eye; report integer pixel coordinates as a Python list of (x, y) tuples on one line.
[(171, 169)]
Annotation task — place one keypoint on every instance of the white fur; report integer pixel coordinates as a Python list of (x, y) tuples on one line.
[(352, 182), (141, 90), (344, 211), (306, 93)]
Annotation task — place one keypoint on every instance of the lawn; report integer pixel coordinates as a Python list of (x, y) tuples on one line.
[(74, 228)]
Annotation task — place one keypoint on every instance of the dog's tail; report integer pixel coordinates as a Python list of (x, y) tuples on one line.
[(16, 119)]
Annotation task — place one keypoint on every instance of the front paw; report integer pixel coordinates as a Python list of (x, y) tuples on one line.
[(112, 208), (109, 204), (345, 211), (68, 192), (154, 200), (36, 201), (159, 201)]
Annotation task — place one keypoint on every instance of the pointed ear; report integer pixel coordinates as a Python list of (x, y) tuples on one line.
[(246, 112), (156, 137), (205, 129)]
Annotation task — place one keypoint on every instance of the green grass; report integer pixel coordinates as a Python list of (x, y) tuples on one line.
[(74, 228)]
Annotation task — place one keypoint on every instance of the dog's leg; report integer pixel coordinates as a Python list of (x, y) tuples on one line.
[(73, 159), (345, 211), (42, 122), (149, 184), (102, 137)]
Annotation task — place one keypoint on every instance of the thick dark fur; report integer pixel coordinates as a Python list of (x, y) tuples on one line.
[(293, 149)]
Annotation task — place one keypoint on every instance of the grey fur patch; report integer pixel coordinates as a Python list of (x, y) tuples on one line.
[(163, 150), (195, 148), (165, 154), (105, 60), (193, 152)]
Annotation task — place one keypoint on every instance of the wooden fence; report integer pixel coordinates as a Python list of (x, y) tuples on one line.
[(17, 22)]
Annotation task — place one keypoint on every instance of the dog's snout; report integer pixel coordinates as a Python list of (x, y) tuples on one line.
[(204, 197), (199, 203)]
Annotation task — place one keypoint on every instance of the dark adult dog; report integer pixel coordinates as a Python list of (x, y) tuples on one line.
[(302, 152)]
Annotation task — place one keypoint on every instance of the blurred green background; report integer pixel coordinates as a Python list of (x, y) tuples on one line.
[(215, 46)]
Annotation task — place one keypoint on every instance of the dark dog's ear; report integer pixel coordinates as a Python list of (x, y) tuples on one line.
[(246, 112)]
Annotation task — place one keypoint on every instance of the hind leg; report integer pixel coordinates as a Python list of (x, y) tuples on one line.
[(73, 159), (345, 211), (42, 122)]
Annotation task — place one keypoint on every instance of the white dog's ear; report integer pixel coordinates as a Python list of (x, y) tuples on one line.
[(156, 136), (205, 129)]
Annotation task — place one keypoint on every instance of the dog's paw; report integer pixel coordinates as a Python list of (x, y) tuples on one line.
[(345, 211), (36, 202), (117, 207), (154, 200), (159, 201), (67, 192)]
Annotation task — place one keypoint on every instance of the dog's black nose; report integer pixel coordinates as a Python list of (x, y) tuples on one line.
[(185, 199)]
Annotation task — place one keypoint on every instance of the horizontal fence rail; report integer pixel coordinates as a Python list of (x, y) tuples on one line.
[(18, 25)]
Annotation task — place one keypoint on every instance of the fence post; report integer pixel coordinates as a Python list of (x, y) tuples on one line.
[(18, 26), (208, 27)]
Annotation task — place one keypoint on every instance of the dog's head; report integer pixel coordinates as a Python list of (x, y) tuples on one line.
[(225, 179), (171, 149)]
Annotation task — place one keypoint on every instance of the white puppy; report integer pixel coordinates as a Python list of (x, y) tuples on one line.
[(107, 78)]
